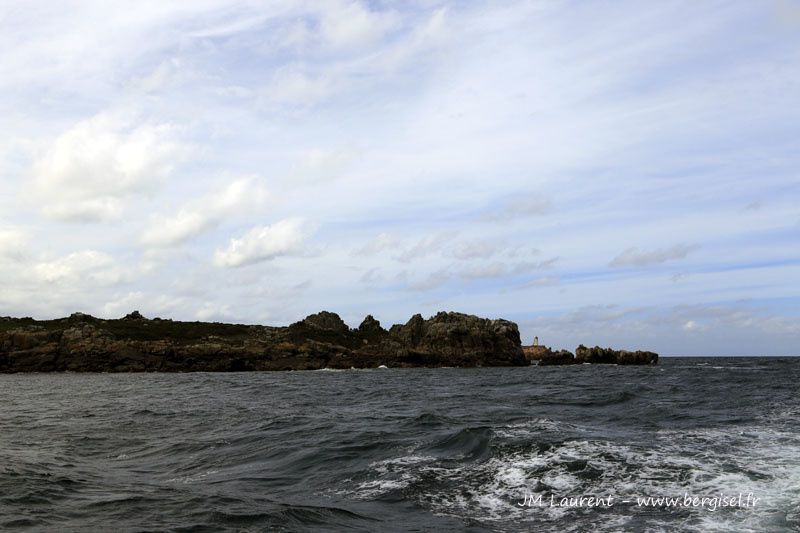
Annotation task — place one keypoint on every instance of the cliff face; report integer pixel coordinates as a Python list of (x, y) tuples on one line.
[(82, 343)]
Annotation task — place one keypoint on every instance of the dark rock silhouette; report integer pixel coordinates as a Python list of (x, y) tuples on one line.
[(544, 356), (598, 355), (370, 325), (82, 343), (327, 320), (561, 357), (136, 315)]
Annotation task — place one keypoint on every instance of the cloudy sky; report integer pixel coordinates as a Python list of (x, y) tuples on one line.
[(617, 173)]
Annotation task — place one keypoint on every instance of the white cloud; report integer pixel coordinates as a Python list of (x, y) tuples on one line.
[(547, 281), (382, 242), (493, 270), (430, 282), (633, 257), (486, 248), (85, 265), (204, 213), (475, 250), (371, 276), (263, 243), (526, 205), (350, 24), (430, 244), (13, 244), (123, 305), (294, 87), (499, 269), (160, 77), (169, 231), (149, 304), (215, 312), (694, 326), (94, 167), (321, 165)]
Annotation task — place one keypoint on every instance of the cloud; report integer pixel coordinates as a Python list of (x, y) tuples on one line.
[(382, 242), (150, 305), (548, 281), (94, 167), (430, 282), (476, 249), (588, 319), (350, 24), (13, 244), (471, 250), (522, 206), (292, 86), (216, 312), (204, 213), (123, 305), (427, 245), (321, 165), (371, 276), (694, 326), (494, 270), (633, 257), (263, 243), (303, 285), (85, 265), (499, 269), (730, 318), (157, 80)]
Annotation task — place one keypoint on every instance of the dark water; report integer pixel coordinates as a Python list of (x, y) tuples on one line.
[(402, 450)]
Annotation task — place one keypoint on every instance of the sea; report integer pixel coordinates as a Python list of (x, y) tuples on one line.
[(691, 444)]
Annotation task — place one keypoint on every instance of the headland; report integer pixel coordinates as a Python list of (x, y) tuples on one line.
[(83, 343)]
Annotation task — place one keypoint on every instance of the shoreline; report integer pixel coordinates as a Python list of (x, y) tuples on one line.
[(83, 343)]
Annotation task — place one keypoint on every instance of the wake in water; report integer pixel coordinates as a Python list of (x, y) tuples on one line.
[(533, 474)]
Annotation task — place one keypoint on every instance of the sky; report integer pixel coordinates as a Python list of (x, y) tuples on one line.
[(617, 173)]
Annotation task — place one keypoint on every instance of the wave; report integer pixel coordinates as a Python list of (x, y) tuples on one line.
[(447, 476), (612, 399), (426, 450)]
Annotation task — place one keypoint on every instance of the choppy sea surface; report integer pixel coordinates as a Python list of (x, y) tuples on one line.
[(406, 449)]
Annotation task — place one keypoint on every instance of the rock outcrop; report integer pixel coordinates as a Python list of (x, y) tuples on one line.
[(598, 355), (561, 357), (327, 320), (456, 339), (544, 356), (82, 343)]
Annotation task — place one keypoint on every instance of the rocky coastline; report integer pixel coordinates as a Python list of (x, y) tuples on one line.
[(83, 343), (544, 356)]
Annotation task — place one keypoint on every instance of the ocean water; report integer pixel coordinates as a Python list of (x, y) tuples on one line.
[(405, 449)]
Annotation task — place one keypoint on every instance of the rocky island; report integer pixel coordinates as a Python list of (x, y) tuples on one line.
[(544, 356), (83, 343)]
